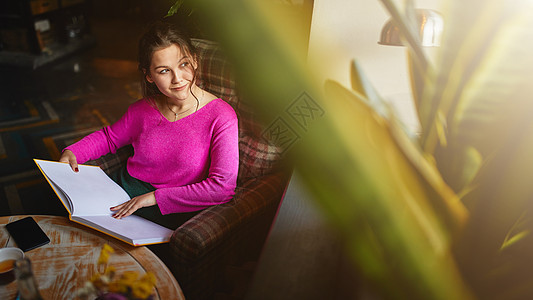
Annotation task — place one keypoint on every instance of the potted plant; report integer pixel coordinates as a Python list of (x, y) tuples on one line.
[(445, 215)]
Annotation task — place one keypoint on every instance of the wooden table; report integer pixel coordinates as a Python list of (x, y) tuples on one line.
[(70, 259)]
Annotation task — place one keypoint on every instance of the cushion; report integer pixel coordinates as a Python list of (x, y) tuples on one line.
[(257, 157)]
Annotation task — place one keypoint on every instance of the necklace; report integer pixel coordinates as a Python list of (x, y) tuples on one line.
[(177, 113), (180, 113)]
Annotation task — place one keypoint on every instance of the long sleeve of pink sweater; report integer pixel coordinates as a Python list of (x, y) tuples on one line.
[(192, 163)]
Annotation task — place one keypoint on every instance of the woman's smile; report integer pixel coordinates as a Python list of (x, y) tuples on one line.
[(179, 88)]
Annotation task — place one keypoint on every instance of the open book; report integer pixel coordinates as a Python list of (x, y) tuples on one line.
[(88, 195)]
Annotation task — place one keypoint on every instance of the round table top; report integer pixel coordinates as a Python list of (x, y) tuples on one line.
[(70, 259)]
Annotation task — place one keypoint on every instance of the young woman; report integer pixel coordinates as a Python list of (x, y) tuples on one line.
[(185, 139)]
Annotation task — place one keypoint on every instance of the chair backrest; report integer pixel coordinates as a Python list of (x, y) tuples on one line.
[(257, 156)]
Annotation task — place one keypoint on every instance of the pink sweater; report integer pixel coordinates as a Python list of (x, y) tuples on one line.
[(192, 163)]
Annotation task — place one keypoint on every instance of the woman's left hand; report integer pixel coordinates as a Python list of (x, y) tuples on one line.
[(127, 208)]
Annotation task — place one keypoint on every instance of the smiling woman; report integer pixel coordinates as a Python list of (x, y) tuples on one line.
[(185, 139)]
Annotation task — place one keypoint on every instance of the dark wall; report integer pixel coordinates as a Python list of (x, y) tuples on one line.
[(145, 11)]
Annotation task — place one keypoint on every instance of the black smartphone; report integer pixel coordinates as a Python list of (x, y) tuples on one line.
[(27, 234)]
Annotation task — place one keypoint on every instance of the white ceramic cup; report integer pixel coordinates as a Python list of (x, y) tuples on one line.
[(8, 256)]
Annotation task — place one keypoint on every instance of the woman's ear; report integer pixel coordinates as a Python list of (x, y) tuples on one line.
[(148, 77)]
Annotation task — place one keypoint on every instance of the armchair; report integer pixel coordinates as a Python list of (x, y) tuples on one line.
[(231, 233)]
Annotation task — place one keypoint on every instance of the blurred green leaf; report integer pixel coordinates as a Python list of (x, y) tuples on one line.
[(362, 85), (516, 234), (174, 8), (402, 218)]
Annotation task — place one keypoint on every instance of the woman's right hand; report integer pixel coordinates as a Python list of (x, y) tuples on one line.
[(69, 157)]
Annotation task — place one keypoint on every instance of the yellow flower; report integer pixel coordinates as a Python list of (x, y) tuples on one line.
[(149, 278), (141, 290), (124, 283), (129, 284), (104, 254), (129, 277), (117, 287)]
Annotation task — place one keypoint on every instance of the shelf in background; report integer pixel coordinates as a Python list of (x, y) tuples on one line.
[(56, 51)]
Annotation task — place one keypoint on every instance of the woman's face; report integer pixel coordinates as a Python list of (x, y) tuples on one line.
[(172, 71)]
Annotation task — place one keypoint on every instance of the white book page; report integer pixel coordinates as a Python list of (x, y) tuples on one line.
[(132, 228), (90, 190), (64, 198)]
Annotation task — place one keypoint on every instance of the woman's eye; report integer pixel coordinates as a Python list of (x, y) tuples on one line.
[(164, 71), (184, 64)]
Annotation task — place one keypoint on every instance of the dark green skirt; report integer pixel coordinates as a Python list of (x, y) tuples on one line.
[(134, 187)]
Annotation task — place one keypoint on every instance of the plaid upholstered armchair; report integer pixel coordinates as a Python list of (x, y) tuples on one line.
[(234, 232)]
